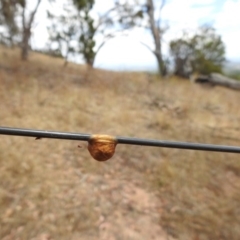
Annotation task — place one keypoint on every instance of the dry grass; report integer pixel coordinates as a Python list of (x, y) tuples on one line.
[(51, 189)]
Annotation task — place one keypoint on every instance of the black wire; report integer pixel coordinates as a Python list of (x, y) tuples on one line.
[(121, 140), (43, 134), (180, 145)]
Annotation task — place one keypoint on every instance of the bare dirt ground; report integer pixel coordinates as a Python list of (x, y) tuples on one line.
[(52, 189)]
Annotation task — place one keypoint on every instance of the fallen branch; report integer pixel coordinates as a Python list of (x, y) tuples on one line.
[(217, 79)]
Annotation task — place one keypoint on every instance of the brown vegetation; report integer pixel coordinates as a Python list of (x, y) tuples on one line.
[(51, 189)]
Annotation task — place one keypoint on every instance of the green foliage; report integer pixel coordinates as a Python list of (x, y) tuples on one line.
[(74, 31), (8, 12), (17, 25), (129, 15), (63, 33), (83, 4), (88, 30), (123, 15), (203, 52)]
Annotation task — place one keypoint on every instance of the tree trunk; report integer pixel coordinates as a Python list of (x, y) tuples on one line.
[(26, 26), (218, 79), (25, 43), (161, 65), (156, 33)]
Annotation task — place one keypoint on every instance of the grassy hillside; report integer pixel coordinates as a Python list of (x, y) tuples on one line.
[(52, 189)]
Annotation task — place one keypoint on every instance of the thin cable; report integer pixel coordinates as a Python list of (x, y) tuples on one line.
[(43, 134), (180, 145), (120, 140)]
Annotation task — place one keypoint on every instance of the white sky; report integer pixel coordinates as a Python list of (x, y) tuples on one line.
[(125, 53)]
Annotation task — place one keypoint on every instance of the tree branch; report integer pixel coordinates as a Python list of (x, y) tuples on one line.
[(160, 11), (23, 18), (144, 44), (103, 17), (33, 14)]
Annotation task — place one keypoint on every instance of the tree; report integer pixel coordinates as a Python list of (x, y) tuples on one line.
[(10, 12), (63, 33), (116, 20), (88, 30), (76, 30), (157, 31), (73, 31), (203, 52), (26, 27), (182, 51)]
